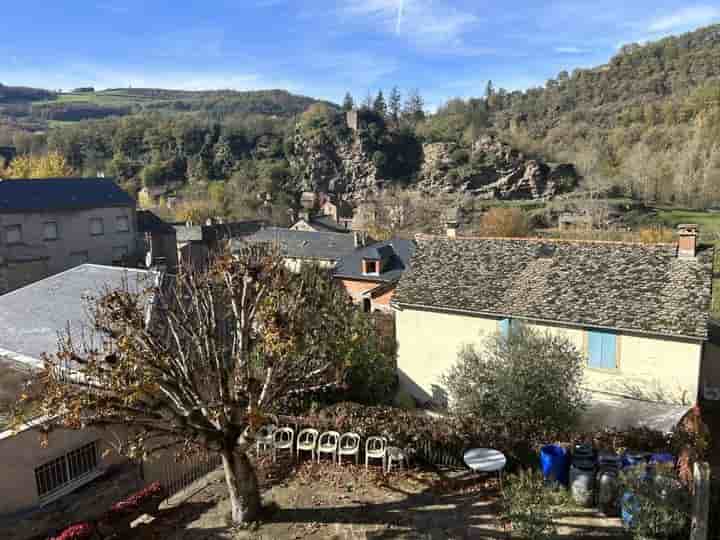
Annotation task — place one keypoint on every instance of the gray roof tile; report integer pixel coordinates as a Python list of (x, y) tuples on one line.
[(52, 194), (326, 246), (633, 287), (395, 253)]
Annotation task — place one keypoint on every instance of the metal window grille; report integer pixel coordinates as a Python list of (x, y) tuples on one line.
[(64, 470)]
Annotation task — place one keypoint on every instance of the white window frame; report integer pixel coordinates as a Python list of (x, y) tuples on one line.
[(10, 229), (68, 470), (93, 222), (122, 219), (55, 236)]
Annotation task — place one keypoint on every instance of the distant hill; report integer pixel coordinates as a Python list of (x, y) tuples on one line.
[(42, 105)]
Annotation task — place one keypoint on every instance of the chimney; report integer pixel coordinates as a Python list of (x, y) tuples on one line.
[(359, 238), (687, 240), (452, 222)]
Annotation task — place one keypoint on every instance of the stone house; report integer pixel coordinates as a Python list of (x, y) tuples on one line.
[(196, 242), (50, 225), (298, 247), (157, 240), (32, 317), (637, 312), (370, 274)]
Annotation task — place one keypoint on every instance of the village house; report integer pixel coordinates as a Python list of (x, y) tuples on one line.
[(196, 242), (157, 240), (321, 214), (637, 312), (370, 274), (32, 319), (298, 247), (52, 224)]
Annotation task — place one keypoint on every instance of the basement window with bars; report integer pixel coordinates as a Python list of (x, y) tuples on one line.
[(63, 471)]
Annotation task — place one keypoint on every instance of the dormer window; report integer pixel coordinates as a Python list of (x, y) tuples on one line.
[(371, 267)]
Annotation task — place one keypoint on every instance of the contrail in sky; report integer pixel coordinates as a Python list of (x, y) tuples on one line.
[(401, 10)]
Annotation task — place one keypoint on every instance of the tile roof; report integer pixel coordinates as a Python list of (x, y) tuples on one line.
[(56, 194), (32, 317), (395, 252), (325, 246), (632, 287), (149, 222)]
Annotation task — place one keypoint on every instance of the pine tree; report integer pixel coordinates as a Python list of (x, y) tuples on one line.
[(348, 102), (367, 103), (414, 110), (395, 104), (379, 105)]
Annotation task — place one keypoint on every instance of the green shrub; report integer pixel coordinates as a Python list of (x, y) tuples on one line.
[(528, 381), (530, 506), (460, 156), (660, 504), (404, 400)]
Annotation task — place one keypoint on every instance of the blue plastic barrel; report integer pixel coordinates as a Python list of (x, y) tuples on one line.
[(633, 459), (555, 463)]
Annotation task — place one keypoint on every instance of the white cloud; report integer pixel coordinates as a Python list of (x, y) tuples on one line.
[(688, 17), (428, 23)]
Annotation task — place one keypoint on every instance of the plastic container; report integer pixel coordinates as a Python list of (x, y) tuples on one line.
[(554, 461), (607, 484), (657, 459), (582, 475), (633, 459)]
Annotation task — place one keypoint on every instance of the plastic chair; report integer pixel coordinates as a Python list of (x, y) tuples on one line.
[(283, 440), (264, 438), (376, 448), (307, 441), (328, 444), (349, 445), (397, 455)]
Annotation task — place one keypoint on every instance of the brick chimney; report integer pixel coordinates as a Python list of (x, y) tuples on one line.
[(687, 240)]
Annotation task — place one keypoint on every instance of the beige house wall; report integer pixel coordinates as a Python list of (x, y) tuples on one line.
[(654, 368), (21, 454)]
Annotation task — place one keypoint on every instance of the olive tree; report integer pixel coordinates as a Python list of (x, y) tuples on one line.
[(526, 380), (220, 348)]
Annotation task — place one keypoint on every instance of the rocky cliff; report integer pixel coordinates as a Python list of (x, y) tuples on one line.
[(492, 170), (342, 162)]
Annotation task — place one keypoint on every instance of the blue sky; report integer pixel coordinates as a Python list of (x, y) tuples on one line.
[(323, 48)]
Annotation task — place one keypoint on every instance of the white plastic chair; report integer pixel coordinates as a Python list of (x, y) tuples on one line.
[(283, 440), (349, 445), (376, 448), (328, 444), (264, 438), (307, 441), (396, 455)]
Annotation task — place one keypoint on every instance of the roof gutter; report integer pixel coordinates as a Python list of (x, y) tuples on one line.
[(400, 305)]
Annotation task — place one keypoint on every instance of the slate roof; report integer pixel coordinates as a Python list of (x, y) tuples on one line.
[(57, 194), (632, 287), (327, 223), (149, 222), (326, 246), (32, 317), (396, 253), (217, 231)]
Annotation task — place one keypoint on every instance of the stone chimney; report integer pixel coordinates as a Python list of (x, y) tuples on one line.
[(452, 222), (359, 238), (687, 240)]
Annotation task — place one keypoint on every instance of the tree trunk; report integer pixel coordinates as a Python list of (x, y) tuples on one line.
[(242, 485)]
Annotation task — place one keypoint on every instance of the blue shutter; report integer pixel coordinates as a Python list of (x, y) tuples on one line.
[(601, 349), (608, 346), (504, 327)]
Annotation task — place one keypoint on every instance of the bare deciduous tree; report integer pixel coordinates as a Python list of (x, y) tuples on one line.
[(223, 346)]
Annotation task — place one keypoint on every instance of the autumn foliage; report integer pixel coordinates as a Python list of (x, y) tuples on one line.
[(504, 223)]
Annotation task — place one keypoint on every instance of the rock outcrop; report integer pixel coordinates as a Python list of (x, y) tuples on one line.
[(496, 171), (339, 161), (333, 164)]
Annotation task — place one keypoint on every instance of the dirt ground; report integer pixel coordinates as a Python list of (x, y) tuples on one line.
[(345, 503)]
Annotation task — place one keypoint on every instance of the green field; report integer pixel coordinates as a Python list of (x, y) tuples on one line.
[(709, 222)]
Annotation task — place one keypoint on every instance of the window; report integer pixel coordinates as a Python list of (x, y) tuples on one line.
[(60, 472), (119, 252), (13, 234), (50, 230), (97, 227), (370, 267), (122, 224), (505, 325), (602, 349)]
